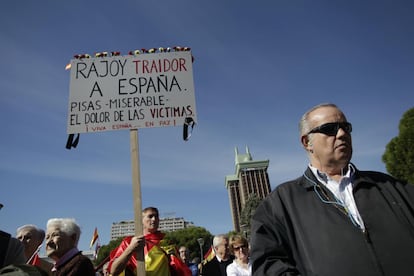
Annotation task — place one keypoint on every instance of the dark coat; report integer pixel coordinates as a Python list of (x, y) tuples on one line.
[(212, 268), (295, 233), (78, 265)]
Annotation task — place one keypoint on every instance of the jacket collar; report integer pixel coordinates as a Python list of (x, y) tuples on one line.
[(308, 179)]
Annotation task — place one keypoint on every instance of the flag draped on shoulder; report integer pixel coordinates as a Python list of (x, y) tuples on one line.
[(159, 260), (156, 262), (95, 236)]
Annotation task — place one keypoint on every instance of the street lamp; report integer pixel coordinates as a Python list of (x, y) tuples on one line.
[(201, 243), (245, 229)]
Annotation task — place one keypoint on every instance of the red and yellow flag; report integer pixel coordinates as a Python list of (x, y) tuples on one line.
[(95, 236), (210, 254)]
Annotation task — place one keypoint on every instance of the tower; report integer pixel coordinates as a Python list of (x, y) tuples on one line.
[(250, 178)]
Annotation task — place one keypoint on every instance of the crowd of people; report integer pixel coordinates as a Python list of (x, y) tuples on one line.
[(333, 220), (164, 260), (61, 240)]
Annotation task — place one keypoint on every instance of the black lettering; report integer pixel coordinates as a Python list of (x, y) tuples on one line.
[(161, 83), (116, 69), (80, 70), (174, 82), (121, 86), (122, 65), (93, 69), (133, 84), (96, 88), (106, 66)]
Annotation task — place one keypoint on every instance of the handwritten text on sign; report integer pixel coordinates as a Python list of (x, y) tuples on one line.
[(127, 92)]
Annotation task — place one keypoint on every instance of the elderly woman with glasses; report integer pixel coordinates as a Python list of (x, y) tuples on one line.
[(239, 247)]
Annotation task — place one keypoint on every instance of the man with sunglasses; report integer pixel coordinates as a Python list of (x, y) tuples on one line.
[(334, 219)]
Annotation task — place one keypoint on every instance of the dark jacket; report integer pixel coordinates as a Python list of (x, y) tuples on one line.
[(295, 233), (78, 265), (215, 268)]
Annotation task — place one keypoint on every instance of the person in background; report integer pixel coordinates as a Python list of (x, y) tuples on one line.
[(239, 247), (62, 236), (217, 265), (11, 249), (159, 261), (185, 257), (105, 269), (32, 238), (197, 262), (334, 219)]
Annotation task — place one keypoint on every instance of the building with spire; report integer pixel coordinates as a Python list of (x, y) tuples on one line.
[(250, 178)]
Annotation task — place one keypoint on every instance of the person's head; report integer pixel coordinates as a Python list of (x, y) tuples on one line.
[(105, 269), (62, 235), (150, 220), (325, 134), (196, 260), (239, 247), (31, 238), (184, 254), (221, 246)]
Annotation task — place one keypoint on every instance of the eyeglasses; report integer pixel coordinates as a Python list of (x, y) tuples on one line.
[(331, 129), (237, 248)]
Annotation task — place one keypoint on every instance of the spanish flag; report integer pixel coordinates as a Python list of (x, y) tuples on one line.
[(210, 254), (94, 237)]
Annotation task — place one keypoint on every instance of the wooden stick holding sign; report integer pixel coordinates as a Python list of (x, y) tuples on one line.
[(136, 189)]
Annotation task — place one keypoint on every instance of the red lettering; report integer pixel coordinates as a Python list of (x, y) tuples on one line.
[(160, 65)]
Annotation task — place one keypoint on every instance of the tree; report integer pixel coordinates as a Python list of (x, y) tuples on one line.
[(104, 251), (247, 212), (399, 152), (188, 237)]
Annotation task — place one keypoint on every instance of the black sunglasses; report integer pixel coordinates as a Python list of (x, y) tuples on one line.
[(242, 247), (331, 129)]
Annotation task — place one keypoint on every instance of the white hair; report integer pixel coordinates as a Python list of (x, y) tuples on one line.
[(67, 225)]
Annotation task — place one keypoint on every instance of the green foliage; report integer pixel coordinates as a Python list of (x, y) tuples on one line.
[(105, 250), (247, 212), (188, 237), (399, 153)]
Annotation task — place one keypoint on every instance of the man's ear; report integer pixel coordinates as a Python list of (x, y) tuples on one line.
[(306, 143)]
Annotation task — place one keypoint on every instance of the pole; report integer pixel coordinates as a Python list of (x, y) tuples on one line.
[(201, 243), (136, 188)]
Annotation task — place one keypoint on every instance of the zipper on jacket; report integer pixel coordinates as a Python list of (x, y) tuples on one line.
[(372, 252), (364, 232), (325, 198)]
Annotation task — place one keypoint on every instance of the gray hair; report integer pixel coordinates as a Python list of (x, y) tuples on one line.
[(40, 233), (66, 225), (304, 126), (218, 239)]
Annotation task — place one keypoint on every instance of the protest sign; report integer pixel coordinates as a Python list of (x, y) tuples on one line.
[(131, 92)]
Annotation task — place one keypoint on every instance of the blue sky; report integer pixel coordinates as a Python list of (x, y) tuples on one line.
[(259, 65)]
